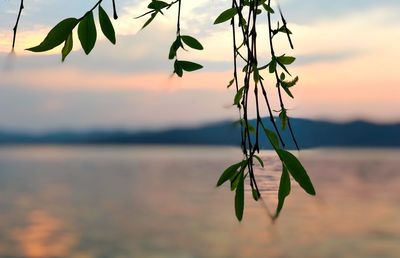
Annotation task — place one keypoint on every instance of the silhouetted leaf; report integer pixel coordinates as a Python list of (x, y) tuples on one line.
[(87, 32), (178, 68), (286, 60), (238, 96), (56, 36), (157, 5), (174, 47), (268, 8), (228, 173), (230, 83), (272, 65), (288, 92), (284, 189), (273, 139), (67, 47), (259, 160), (284, 29), (284, 67), (192, 42), (106, 25), (284, 119), (288, 84), (297, 170), (239, 197), (152, 16), (234, 181), (226, 15), (190, 66), (256, 194), (256, 74)]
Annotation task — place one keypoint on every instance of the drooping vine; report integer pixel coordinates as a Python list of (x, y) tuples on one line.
[(255, 76)]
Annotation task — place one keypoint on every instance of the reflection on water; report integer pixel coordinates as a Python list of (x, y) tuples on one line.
[(161, 202)]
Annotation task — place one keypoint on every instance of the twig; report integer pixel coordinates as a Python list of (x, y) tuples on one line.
[(21, 7), (114, 10)]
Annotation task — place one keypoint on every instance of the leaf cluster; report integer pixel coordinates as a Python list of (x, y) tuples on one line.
[(180, 66), (87, 33), (243, 15)]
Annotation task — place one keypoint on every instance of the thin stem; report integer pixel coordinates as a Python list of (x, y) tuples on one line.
[(91, 10), (178, 25), (235, 77), (271, 115), (114, 10), (21, 7), (276, 72), (292, 133), (285, 27)]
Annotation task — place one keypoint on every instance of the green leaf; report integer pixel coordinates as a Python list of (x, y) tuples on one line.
[(263, 67), (268, 8), (284, 190), (239, 197), (284, 68), (189, 66), (259, 160), (288, 92), (272, 65), (284, 119), (273, 139), (67, 47), (251, 128), (256, 194), (234, 181), (174, 47), (243, 23), (56, 36), (87, 32), (286, 60), (282, 77), (288, 84), (178, 68), (226, 15), (230, 83), (192, 42), (256, 74), (152, 16), (106, 25), (297, 170), (229, 173), (260, 2), (284, 29), (238, 96), (157, 5)]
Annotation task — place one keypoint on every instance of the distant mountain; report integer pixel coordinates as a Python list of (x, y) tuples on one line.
[(309, 133)]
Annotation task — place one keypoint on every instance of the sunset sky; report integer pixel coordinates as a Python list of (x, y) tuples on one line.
[(347, 60)]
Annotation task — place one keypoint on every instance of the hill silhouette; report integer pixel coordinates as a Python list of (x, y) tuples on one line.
[(309, 133)]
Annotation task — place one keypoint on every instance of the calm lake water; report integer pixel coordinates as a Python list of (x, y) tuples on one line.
[(146, 202)]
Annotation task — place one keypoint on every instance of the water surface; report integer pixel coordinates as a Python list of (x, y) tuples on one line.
[(58, 201)]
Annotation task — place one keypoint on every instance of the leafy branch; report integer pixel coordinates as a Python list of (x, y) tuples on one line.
[(87, 34), (247, 12), (158, 7), (248, 78)]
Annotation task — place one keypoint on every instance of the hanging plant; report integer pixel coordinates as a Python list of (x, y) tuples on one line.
[(250, 79)]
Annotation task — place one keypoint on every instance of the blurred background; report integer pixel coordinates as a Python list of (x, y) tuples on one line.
[(107, 155)]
